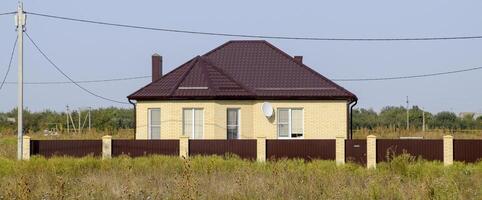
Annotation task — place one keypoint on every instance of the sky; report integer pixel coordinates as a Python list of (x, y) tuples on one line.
[(87, 51)]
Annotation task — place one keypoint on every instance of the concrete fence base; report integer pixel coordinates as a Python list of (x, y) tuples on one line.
[(184, 147), (26, 148), (448, 150), (106, 147), (340, 151), (261, 149)]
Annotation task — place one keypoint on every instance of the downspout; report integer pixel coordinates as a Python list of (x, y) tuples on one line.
[(351, 119), (135, 117)]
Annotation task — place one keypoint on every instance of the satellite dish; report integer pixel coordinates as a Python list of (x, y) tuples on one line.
[(267, 109)]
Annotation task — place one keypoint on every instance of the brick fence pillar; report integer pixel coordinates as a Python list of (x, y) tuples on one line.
[(26, 148), (261, 149), (107, 147), (340, 150), (448, 150), (371, 152), (184, 147)]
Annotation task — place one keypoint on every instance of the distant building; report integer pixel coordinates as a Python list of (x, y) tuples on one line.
[(473, 114)]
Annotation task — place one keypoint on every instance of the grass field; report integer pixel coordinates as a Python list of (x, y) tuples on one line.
[(160, 177)]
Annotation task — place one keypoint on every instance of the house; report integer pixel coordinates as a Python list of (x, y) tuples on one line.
[(220, 95)]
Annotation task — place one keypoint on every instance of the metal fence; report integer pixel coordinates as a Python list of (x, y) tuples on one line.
[(74, 148), (356, 151), (243, 148), (135, 148), (305, 149), (420, 148), (467, 150)]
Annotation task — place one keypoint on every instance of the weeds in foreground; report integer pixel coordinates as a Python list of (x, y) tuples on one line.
[(160, 177)]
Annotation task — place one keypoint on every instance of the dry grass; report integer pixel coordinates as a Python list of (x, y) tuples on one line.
[(160, 177)]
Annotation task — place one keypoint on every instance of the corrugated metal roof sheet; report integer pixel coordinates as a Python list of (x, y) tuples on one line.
[(243, 70)]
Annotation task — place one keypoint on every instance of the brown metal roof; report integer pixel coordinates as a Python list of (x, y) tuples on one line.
[(251, 69)]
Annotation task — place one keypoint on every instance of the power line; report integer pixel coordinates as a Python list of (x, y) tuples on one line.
[(342, 79), (82, 81), (64, 74), (7, 13), (9, 63), (408, 77), (254, 36)]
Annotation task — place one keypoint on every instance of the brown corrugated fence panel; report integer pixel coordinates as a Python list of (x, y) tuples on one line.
[(356, 151), (426, 149), (468, 150), (74, 148), (243, 148), (135, 148), (305, 149)]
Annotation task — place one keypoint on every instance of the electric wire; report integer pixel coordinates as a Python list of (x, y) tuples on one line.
[(409, 77), (68, 77), (253, 36), (81, 81), (7, 13), (9, 63), (339, 79)]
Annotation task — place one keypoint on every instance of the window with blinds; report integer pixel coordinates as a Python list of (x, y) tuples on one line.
[(290, 123), (154, 123), (193, 123), (232, 123)]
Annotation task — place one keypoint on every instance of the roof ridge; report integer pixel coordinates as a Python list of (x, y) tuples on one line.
[(306, 67), (206, 75), (244, 87), (231, 41), (194, 61)]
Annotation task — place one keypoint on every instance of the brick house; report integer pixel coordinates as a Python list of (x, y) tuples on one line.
[(220, 95)]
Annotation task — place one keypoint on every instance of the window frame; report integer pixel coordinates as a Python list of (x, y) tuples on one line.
[(191, 136), (290, 122), (238, 125), (149, 123)]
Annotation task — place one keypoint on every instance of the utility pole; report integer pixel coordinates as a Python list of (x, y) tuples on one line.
[(90, 124), (20, 20), (80, 120), (423, 120), (68, 123), (408, 116)]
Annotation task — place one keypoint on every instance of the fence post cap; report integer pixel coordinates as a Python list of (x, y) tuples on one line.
[(184, 137), (261, 137), (106, 137), (26, 137), (371, 136), (340, 137), (448, 137)]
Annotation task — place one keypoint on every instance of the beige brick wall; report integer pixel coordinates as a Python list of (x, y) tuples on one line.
[(322, 119)]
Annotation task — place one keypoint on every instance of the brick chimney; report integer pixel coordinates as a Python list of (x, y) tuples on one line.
[(156, 67), (298, 59)]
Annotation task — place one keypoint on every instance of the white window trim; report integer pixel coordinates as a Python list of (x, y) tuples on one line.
[(193, 123), (289, 123), (149, 125), (239, 122)]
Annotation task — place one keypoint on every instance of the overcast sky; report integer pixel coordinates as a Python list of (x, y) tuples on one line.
[(87, 51)]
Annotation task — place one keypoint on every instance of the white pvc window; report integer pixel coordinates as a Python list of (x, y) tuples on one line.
[(290, 123), (154, 123), (193, 123), (233, 116)]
